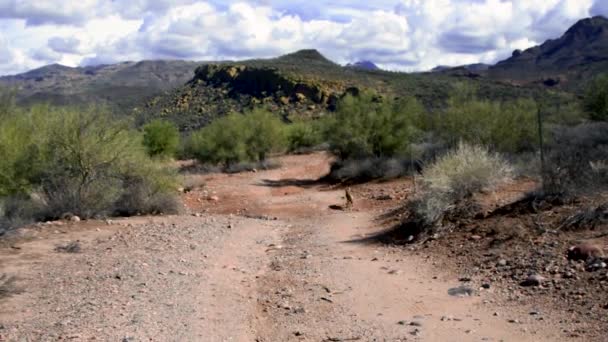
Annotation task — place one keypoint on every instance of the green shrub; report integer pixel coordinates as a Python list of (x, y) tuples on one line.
[(81, 162), (264, 133), (161, 138), (304, 135), (237, 138), (596, 98), (456, 176), (508, 126), (366, 126)]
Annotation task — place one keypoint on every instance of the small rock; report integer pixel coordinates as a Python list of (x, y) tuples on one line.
[(461, 291), (485, 286), (476, 237), (502, 262), (596, 266), (514, 321), (464, 279), (415, 324), (533, 280), (402, 322), (214, 198)]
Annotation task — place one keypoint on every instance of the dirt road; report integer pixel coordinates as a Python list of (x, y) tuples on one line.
[(261, 257)]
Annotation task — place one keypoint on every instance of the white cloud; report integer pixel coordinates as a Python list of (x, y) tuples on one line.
[(396, 34)]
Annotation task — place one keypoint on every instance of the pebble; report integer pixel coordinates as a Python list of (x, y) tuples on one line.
[(533, 280), (502, 262)]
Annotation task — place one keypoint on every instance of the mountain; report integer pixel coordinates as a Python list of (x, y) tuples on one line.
[(363, 65), (476, 67), (579, 54), (192, 94), (301, 84), (122, 86)]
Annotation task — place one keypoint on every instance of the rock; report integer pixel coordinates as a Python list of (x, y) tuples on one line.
[(596, 266), (584, 251), (461, 291), (214, 198), (533, 280), (476, 237), (502, 262), (464, 279), (402, 322), (485, 286), (416, 324)]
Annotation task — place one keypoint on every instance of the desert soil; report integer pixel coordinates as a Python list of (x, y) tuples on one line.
[(259, 256)]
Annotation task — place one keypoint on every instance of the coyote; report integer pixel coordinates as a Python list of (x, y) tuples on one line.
[(349, 198)]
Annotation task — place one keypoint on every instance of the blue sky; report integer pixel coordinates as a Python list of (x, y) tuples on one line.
[(408, 35)]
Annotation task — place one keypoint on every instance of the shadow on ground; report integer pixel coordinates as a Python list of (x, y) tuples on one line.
[(302, 183)]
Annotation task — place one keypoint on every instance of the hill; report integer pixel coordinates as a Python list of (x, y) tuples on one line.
[(365, 65), (121, 86), (303, 84), (581, 53)]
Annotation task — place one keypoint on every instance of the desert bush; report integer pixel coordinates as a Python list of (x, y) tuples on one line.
[(596, 98), (304, 135), (161, 138), (454, 177), (264, 133), (575, 159), (508, 126), (238, 138), (78, 161), (367, 126)]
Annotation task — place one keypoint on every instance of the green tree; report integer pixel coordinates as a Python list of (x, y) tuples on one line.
[(161, 138), (265, 133), (235, 138), (596, 98), (367, 126), (508, 126)]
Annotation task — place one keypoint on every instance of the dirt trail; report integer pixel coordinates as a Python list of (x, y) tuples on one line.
[(268, 261)]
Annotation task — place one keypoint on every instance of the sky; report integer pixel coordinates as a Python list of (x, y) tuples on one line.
[(407, 35)]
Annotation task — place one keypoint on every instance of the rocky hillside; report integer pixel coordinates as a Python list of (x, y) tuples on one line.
[(579, 54), (122, 86), (301, 84)]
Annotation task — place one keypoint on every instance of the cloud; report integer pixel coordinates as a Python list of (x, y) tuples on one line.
[(64, 45), (396, 34)]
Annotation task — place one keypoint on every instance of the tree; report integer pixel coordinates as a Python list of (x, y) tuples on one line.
[(596, 98), (161, 138)]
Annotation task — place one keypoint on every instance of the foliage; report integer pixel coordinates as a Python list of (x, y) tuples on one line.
[(596, 98), (576, 159), (79, 161), (238, 138), (508, 126), (303, 135), (456, 176), (368, 126), (161, 138)]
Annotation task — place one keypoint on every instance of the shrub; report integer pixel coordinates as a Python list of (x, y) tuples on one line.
[(575, 158), (456, 176), (78, 161), (596, 98), (304, 135), (508, 126), (237, 138), (161, 138), (264, 133), (366, 126)]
